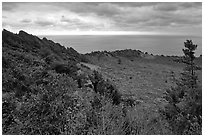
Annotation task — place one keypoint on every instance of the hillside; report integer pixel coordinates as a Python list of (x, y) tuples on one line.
[(142, 77), (49, 89), (139, 74), (45, 89)]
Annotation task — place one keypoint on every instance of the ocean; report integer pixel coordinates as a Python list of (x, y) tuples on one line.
[(155, 44)]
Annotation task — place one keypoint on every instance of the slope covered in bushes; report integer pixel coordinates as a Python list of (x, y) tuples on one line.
[(45, 90)]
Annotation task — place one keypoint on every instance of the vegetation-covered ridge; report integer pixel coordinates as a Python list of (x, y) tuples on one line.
[(49, 89), (44, 48), (98, 57), (131, 54), (45, 90)]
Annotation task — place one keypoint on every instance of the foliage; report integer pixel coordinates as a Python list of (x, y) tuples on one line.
[(184, 109), (104, 88), (39, 91), (69, 68), (45, 92)]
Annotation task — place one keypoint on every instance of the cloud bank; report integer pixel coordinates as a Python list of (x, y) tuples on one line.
[(124, 17)]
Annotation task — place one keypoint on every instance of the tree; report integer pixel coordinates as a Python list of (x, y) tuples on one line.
[(184, 108)]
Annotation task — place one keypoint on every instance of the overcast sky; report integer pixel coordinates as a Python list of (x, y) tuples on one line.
[(103, 18)]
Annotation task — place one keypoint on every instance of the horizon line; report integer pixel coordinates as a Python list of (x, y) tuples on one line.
[(101, 33), (91, 32)]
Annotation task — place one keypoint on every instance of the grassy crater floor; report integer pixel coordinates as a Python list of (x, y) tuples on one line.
[(145, 79)]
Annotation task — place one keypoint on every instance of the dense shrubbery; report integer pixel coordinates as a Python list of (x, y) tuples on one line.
[(37, 86), (41, 111), (184, 109), (69, 68), (43, 92), (129, 53), (40, 94), (104, 88)]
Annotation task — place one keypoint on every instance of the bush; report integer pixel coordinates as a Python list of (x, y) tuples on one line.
[(45, 112), (69, 68), (184, 108), (104, 88)]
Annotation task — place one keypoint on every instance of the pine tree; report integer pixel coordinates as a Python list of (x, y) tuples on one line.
[(184, 109)]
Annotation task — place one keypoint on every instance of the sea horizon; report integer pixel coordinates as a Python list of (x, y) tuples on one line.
[(168, 45)]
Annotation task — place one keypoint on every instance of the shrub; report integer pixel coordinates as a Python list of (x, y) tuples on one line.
[(104, 88), (69, 68), (184, 109)]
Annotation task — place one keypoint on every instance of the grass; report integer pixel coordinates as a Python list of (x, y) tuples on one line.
[(145, 80)]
